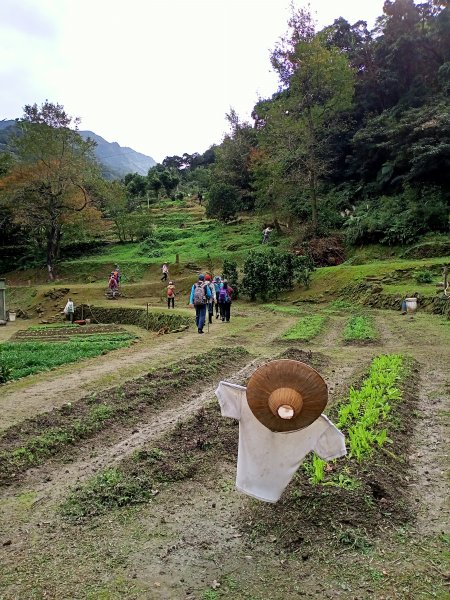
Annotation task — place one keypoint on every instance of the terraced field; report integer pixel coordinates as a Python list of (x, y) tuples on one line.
[(118, 473)]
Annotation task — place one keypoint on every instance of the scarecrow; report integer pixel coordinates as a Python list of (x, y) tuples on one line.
[(280, 422)]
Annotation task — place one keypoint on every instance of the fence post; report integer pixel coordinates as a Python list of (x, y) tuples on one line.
[(147, 316)]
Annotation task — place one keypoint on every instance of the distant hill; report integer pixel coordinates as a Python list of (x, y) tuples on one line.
[(116, 160)]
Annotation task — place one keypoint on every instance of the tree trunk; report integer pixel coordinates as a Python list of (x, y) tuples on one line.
[(277, 226), (314, 215), (53, 242)]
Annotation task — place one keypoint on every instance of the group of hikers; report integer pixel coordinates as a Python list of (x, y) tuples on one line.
[(208, 295)]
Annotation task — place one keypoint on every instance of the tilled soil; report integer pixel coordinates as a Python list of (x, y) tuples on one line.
[(197, 538)]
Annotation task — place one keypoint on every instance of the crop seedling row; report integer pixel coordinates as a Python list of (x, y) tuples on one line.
[(305, 329), (365, 415), (360, 328)]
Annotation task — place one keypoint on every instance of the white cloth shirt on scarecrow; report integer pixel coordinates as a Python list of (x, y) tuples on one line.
[(267, 460)]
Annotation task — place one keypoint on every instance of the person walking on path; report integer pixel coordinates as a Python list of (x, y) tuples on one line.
[(217, 285), (69, 310), (225, 297), (113, 285), (171, 294), (200, 293), (212, 299), (165, 272)]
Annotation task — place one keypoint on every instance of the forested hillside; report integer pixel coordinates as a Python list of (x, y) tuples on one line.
[(357, 137), (354, 144)]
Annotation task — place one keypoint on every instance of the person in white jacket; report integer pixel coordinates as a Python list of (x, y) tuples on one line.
[(69, 310)]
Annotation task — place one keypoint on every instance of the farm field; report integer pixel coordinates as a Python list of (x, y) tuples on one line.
[(101, 502)]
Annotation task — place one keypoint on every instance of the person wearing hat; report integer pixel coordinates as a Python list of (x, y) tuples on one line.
[(200, 294), (212, 300), (170, 294), (280, 422)]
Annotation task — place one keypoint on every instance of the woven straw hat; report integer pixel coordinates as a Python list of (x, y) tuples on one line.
[(286, 395)]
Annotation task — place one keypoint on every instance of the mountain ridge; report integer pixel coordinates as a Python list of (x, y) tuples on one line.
[(116, 160)]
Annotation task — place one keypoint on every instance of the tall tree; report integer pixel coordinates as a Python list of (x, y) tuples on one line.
[(298, 122), (52, 179)]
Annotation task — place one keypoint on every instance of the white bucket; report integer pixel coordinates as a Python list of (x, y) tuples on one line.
[(12, 315), (411, 305)]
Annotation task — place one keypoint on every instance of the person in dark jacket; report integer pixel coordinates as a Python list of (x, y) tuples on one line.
[(225, 299)]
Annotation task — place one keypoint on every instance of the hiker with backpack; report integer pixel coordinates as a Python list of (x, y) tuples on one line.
[(116, 274), (225, 297), (200, 294), (217, 285), (171, 294), (212, 299)]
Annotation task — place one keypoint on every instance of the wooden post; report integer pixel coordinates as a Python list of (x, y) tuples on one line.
[(147, 316), (177, 259)]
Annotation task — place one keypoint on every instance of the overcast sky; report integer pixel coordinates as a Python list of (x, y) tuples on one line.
[(155, 75)]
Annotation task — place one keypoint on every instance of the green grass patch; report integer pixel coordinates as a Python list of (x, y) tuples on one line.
[(108, 490), (305, 329), (330, 281), (27, 358), (341, 305), (360, 328)]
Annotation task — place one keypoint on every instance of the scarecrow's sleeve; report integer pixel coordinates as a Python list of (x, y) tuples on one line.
[(230, 398), (331, 443)]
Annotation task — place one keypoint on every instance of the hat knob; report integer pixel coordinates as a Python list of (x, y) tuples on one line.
[(285, 403)]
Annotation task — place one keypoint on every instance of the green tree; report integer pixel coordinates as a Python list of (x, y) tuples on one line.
[(233, 159), (51, 181), (296, 124), (170, 180), (222, 202)]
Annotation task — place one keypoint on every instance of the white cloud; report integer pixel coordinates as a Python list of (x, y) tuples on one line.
[(155, 75)]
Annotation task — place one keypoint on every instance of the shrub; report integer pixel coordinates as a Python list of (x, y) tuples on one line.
[(398, 219), (230, 274), (424, 276), (5, 373), (267, 273)]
